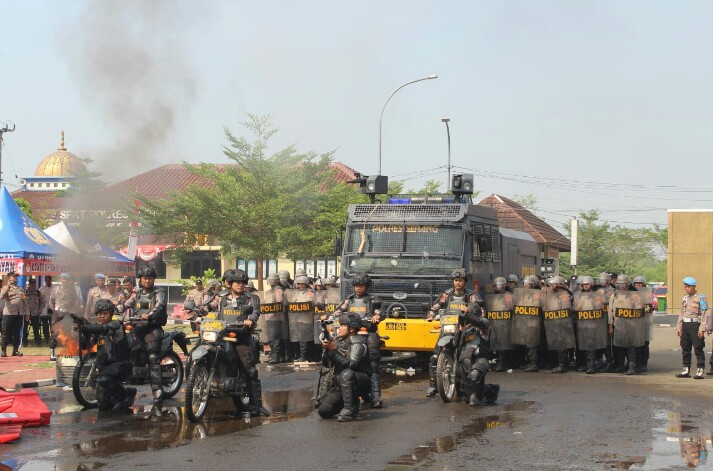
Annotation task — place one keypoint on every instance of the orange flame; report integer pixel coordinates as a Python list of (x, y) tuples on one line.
[(70, 346)]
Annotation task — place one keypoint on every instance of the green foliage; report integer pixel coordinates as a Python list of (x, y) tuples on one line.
[(258, 206), (603, 247), (84, 181), (431, 187), (528, 201), (188, 285), (25, 207)]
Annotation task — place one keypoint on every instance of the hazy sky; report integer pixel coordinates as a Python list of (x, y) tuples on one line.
[(586, 104)]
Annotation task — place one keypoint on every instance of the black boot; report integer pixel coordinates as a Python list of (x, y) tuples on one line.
[(432, 385), (156, 383), (255, 392), (501, 366), (632, 368), (476, 399), (591, 367), (276, 352), (561, 362), (304, 353), (532, 356), (632, 357), (350, 411), (491, 392)]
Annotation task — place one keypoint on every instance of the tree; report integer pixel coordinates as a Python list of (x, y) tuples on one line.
[(606, 248), (26, 207), (258, 205), (528, 201)]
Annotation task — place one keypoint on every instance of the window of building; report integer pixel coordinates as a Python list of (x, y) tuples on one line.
[(320, 267), (64, 185), (196, 262), (250, 267), (55, 185)]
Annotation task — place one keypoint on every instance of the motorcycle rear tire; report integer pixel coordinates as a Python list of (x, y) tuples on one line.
[(171, 374), (197, 392), (445, 383), (85, 389)]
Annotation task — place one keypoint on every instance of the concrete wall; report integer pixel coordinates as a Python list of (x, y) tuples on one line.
[(690, 253)]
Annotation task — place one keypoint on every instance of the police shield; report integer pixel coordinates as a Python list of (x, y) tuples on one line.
[(498, 310), (330, 299), (272, 317), (558, 321), (629, 319), (647, 299), (591, 320), (300, 313), (527, 312)]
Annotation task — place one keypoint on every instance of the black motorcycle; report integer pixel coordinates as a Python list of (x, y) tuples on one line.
[(84, 379), (215, 369), (451, 380)]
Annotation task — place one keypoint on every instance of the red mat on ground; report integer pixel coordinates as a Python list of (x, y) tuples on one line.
[(9, 433), (23, 408)]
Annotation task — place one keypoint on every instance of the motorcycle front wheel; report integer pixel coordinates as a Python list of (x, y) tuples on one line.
[(171, 374), (84, 381), (197, 392), (445, 380)]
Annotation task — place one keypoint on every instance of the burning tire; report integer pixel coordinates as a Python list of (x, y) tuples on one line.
[(85, 387)]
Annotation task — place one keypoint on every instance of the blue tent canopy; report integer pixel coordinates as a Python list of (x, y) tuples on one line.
[(22, 241)]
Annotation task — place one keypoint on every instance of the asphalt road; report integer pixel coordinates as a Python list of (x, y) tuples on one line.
[(542, 421)]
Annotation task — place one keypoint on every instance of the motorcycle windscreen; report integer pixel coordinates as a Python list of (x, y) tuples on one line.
[(527, 313), (300, 313), (629, 320), (592, 321), (559, 329), (498, 310), (273, 319)]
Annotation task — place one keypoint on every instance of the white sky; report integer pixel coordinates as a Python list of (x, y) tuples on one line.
[(587, 104)]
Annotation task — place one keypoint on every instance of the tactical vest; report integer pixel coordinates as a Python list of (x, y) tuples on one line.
[(114, 347), (456, 304), (231, 307), (145, 301), (360, 306)]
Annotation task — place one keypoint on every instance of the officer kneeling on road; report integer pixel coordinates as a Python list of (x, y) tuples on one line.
[(352, 369), (112, 358), (475, 359)]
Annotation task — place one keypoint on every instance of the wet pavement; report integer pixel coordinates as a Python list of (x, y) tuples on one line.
[(541, 422)]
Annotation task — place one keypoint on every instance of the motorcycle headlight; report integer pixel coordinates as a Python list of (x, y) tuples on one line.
[(450, 328), (209, 336)]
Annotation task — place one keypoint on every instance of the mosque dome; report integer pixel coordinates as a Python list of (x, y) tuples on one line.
[(60, 163)]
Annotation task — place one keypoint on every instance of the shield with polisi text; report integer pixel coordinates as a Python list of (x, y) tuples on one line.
[(591, 320), (557, 314), (527, 313), (272, 317), (498, 310), (300, 313), (330, 299), (629, 319), (647, 299)]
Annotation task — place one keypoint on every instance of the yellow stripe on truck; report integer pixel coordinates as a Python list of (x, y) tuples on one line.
[(409, 335)]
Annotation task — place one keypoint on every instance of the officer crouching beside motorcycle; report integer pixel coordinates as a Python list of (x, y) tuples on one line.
[(368, 308), (112, 358), (475, 357), (149, 303), (454, 301), (237, 281), (352, 369)]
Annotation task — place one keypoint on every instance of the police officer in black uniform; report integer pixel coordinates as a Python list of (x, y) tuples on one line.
[(352, 368), (237, 281), (112, 358), (475, 358), (368, 307), (453, 301), (149, 303)]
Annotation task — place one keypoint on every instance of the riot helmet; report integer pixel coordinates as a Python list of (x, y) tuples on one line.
[(532, 281), (329, 281), (639, 279), (361, 279), (238, 276), (272, 279), (499, 283), (104, 305), (300, 272), (586, 280), (622, 282), (604, 278), (351, 320), (513, 279), (459, 273), (301, 280), (213, 284), (557, 281), (227, 274), (147, 272), (283, 275)]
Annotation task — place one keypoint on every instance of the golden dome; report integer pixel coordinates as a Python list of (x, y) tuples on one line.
[(60, 163)]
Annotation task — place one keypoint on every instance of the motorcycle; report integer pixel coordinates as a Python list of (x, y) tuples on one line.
[(215, 369), (84, 378), (451, 380)]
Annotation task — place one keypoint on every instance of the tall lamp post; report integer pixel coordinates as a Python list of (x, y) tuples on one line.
[(3, 131), (430, 77), (448, 131)]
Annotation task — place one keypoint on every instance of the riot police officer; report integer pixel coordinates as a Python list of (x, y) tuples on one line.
[(454, 301), (607, 290), (559, 328), (526, 323), (626, 325), (475, 358), (112, 358), (352, 367), (276, 294), (149, 303), (239, 297), (512, 282), (368, 307), (285, 281), (498, 310)]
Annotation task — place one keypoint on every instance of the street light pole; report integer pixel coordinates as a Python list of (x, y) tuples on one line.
[(2, 131), (448, 131), (430, 77)]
